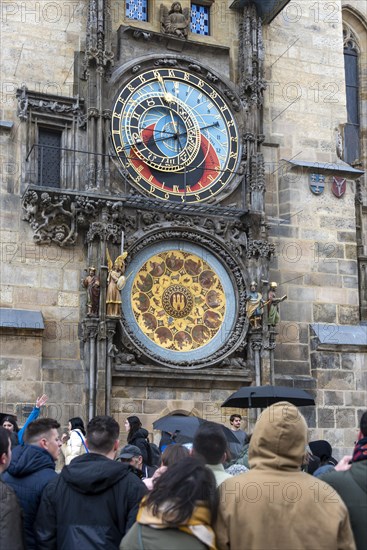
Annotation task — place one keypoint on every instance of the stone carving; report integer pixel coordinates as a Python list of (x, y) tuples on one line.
[(254, 307), (141, 34), (251, 58), (44, 103), (165, 62), (175, 21), (338, 143), (273, 305), (260, 248), (115, 283), (92, 284)]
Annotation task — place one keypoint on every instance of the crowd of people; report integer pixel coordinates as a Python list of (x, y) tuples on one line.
[(273, 490)]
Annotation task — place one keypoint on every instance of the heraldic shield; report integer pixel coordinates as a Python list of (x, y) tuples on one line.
[(339, 186), (317, 183)]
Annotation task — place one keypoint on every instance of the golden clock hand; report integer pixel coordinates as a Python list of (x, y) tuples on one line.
[(167, 96)]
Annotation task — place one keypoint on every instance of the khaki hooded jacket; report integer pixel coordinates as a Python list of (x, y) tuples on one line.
[(275, 505)]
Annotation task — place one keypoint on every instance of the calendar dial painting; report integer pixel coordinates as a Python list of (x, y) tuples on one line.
[(179, 301)]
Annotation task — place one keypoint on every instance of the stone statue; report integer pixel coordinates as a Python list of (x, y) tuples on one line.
[(254, 306), (273, 305), (175, 21), (115, 283), (92, 284)]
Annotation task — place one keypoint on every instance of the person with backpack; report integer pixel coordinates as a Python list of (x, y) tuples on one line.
[(138, 436), (74, 445)]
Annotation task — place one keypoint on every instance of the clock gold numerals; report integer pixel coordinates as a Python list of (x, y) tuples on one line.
[(175, 135)]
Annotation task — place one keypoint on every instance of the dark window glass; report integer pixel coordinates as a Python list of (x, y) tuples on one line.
[(351, 130), (49, 157)]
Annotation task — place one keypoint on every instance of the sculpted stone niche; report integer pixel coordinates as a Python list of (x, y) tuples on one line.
[(175, 21)]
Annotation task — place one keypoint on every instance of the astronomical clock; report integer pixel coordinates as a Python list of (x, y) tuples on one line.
[(176, 134)]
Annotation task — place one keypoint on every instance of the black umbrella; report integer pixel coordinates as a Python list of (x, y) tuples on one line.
[(253, 397), (187, 426)]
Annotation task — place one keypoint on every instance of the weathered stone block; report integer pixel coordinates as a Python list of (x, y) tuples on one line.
[(293, 352), (324, 313), (348, 315), (346, 236), (350, 251), (356, 399), (333, 398), (155, 393), (68, 299), (20, 345), (322, 279), (153, 406), (325, 360), (348, 361), (345, 418), (334, 436), (335, 379), (350, 282), (326, 418), (129, 392), (292, 311), (348, 267), (31, 369), (10, 368)]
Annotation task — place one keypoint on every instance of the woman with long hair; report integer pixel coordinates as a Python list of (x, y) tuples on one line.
[(137, 435), (74, 442), (179, 512), (170, 455)]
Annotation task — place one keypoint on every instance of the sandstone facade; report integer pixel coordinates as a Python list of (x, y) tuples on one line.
[(319, 241)]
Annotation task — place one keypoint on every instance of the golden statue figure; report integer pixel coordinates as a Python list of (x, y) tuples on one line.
[(115, 283)]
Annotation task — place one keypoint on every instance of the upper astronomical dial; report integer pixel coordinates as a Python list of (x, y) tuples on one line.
[(175, 135)]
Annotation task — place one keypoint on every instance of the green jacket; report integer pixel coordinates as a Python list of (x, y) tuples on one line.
[(159, 539), (352, 487)]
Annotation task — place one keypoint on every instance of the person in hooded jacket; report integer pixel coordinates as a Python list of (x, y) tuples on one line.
[(94, 500), (275, 505), (32, 466), (138, 436), (351, 484)]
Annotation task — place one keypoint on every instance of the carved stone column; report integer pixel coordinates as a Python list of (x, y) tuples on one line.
[(90, 329), (111, 329)]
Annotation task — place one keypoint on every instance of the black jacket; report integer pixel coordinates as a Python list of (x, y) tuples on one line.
[(351, 485), (11, 528), (140, 440), (91, 505), (29, 471)]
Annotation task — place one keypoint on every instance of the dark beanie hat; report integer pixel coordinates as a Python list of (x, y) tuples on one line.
[(321, 448)]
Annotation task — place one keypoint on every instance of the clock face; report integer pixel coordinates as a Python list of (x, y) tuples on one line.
[(179, 301), (175, 135)]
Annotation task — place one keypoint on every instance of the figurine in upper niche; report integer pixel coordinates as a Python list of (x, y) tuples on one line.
[(115, 283), (254, 306), (92, 284), (273, 305), (175, 21)]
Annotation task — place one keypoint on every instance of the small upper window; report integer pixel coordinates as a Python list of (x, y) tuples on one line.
[(49, 157), (137, 9), (200, 19)]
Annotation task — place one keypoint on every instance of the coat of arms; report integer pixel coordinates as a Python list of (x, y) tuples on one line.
[(317, 183), (339, 186)]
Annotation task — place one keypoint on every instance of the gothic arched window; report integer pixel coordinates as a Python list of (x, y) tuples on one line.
[(352, 128)]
